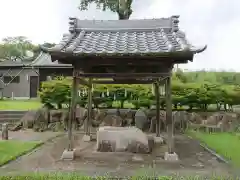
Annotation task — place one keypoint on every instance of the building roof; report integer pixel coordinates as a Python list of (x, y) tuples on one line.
[(43, 60), (124, 37), (10, 63)]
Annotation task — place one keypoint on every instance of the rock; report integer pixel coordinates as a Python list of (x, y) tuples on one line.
[(98, 117), (112, 120), (213, 119), (141, 119), (29, 118), (180, 120), (152, 128), (120, 139), (128, 118), (81, 113), (55, 115), (150, 142), (55, 127), (195, 118)]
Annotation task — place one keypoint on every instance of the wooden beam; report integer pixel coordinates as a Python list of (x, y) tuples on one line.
[(131, 81), (123, 75), (124, 82)]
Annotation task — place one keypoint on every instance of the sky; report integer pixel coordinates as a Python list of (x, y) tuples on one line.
[(212, 22)]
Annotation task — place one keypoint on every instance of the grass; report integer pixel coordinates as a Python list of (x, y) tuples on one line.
[(10, 150), (19, 104), (35, 104), (225, 144)]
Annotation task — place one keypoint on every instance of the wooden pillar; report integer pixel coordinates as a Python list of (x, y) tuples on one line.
[(72, 108), (169, 120), (5, 131), (87, 123), (157, 95)]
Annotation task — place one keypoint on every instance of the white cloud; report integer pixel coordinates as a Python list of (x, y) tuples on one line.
[(212, 22)]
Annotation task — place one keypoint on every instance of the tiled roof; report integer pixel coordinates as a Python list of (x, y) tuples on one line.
[(42, 60), (125, 37), (10, 63)]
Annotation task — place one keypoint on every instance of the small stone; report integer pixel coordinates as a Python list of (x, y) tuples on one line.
[(171, 157), (68, 155), (87, 138), (200, 165)]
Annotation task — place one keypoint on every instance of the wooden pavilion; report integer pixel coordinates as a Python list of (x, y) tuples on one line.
[(129, 52)]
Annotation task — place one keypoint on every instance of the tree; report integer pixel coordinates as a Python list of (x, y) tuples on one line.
[(16, 48), (122, 7)]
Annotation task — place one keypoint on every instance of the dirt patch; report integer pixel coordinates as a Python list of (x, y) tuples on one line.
[(193, 160)]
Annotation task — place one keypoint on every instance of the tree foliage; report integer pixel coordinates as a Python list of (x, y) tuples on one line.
[(122, 7), (16, 48)]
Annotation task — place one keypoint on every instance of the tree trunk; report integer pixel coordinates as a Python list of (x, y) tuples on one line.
[(124, 9), (122, 16), (121, 104)]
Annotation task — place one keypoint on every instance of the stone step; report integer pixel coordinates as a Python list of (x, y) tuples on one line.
[(11, 116), (4, 120), (12, 112), (2, 116)]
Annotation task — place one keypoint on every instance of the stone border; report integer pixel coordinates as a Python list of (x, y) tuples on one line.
[(211, 151), (30, 151)]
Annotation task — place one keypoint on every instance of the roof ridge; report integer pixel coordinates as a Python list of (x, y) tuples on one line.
[(37, 58), (76, 24)]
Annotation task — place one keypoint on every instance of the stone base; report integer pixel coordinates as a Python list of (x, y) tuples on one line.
[(87, 138), (171, 157), (158, 140), (68, 155)]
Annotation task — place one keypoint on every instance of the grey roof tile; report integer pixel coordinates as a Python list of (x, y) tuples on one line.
[(124, 37), (44, 60)]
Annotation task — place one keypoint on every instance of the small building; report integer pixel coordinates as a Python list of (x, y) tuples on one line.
[(22, 79), (124, 50)]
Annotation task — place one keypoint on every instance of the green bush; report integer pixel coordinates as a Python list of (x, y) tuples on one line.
[(55, 92), (184, 95)]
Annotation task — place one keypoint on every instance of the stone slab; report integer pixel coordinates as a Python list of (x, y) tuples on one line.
[(173, 157), (119, 139), (68, 155)]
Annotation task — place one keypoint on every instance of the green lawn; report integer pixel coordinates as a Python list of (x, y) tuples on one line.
[(10, 150), (225, 144), (19, 104)]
